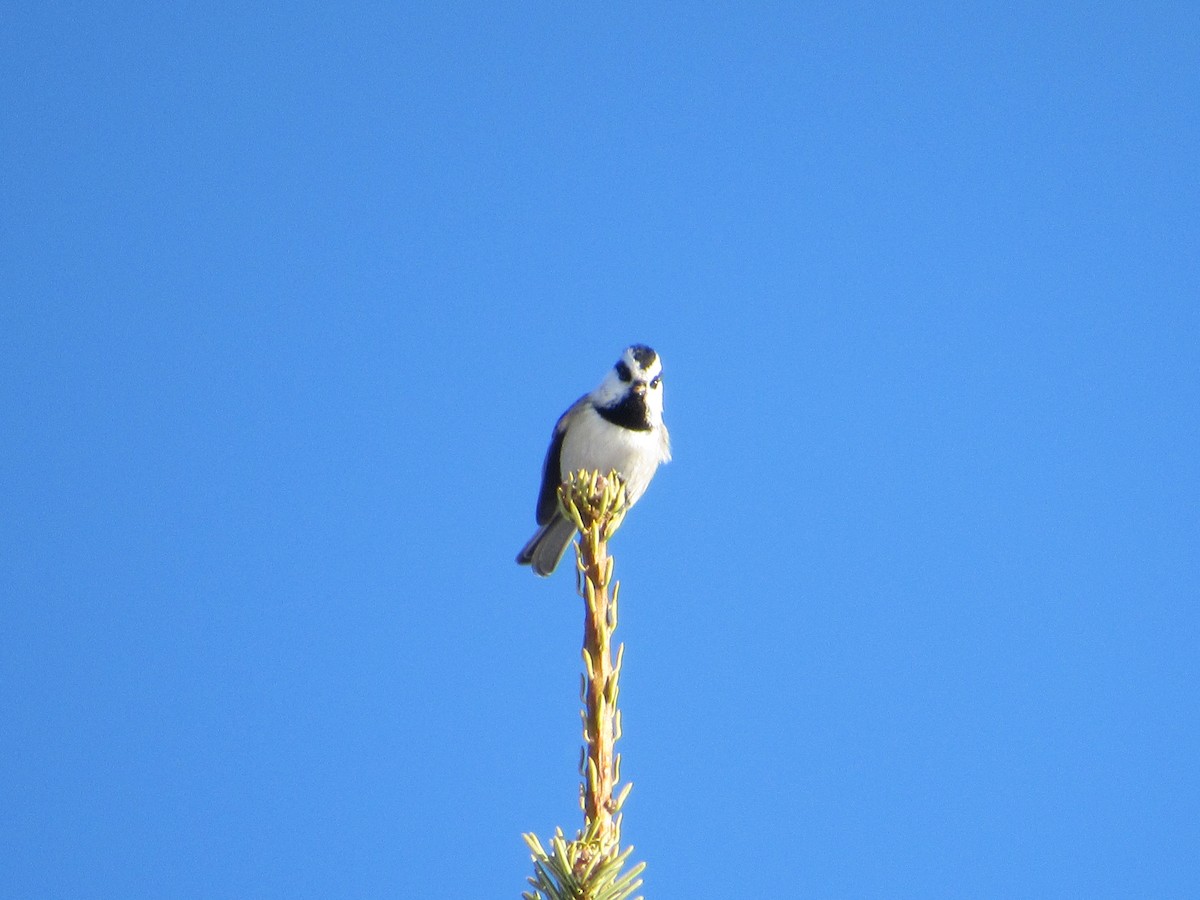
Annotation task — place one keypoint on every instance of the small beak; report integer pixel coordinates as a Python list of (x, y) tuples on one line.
[(639, 388)]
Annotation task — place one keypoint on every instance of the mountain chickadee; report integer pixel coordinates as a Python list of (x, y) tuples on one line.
[(617, 426)]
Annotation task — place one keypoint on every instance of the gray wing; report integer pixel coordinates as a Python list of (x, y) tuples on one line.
[(552, 475)]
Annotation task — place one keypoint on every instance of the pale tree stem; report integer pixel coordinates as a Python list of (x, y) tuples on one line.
[(591, 866), (600, 686)]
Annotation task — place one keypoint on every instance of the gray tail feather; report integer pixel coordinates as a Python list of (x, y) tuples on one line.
[(547, 546)]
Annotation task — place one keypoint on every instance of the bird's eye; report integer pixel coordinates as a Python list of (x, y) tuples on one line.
[(655, 381), (623, 371)]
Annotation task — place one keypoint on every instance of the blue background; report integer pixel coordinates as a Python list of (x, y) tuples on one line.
[(293, 294)]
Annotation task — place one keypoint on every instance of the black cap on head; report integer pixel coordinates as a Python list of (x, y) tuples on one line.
[(644, 355)]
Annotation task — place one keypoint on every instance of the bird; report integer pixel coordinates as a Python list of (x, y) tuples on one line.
[(618, 426)]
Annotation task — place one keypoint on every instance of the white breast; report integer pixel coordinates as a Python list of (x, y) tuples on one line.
[(593, 442)]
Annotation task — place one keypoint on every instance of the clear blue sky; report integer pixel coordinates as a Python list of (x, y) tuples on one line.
[(293, 294)]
